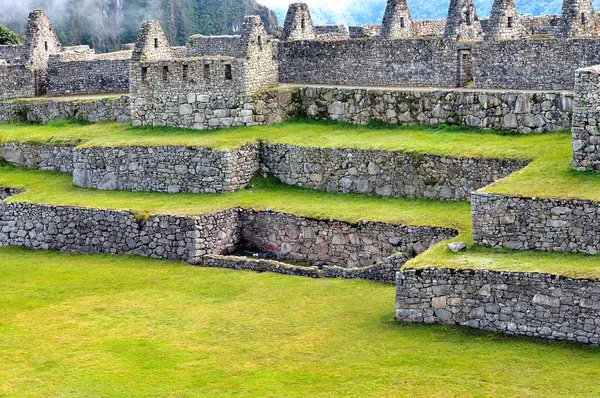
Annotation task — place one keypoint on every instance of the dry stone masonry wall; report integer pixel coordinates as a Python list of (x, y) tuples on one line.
[(527, 304), (586, 118), (165, 169), (289, 237), (43, 111), (503, 110), (381, 172), (536, 224)]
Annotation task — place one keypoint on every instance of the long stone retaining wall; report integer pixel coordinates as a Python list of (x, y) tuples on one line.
[(527, 304), (383, 173), (44, 110), (202, 170), (536, 224), (503, 110), (81, 230)]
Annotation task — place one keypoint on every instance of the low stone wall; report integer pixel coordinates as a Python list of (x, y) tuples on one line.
[(536, 224), (383, 272), (165, 169), (527, 304), (41, 157), (259, 265), (507, 110), (6, 193), (80, 230), (42, 110), (289, 237), (381, 172)]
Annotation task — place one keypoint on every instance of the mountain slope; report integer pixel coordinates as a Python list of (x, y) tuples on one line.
[(106, 24)]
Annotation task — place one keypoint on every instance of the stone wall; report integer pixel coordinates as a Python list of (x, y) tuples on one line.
[(373, 62), (384, 271), (41, 157), (82, 230), (289, 237), (332, 32), (364, 31), (527, 304), (536, 224), (258, 265), (548, 64), (429, 27), (165, 169), (17, 81), (586, 118), (90, 74), (503, 110), (212, 46), (382, 172), (42, 111)]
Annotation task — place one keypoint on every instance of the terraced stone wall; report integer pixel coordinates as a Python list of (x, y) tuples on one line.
[(289, 237), (40, 157), (165, 169), (548, 64), (505, 110), (42, 111), (82, 230), (381, 172), (527, 304), (372, 62), (536, 224)]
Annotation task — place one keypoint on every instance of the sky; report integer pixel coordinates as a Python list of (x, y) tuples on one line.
[(335, 4)]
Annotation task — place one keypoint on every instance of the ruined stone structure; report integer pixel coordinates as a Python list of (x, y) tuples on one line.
[(505, 21), (199, 90), (298, 24), (23, 70), (463, 22), (586, 118), (397, 21), (577, 19)]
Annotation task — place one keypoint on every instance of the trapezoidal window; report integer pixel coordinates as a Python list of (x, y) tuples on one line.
[(468, 19), (228, 73), (509, 24), (303, 24), (207, 71), (186, 72), (144, 74), (260, 43), (46, 45), (165, 73), (583, 19), (155, 43), (402, 22)]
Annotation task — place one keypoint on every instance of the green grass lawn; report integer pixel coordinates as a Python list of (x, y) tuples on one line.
[(102, 326)]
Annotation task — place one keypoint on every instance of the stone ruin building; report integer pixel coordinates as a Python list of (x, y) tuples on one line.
[(218, 74)]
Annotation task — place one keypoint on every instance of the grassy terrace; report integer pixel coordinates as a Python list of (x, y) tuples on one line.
[(105, 326)]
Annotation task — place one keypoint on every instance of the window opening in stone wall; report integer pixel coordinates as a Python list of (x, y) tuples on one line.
[(583, 20), (401, 22), (260, 43), (228, 73), (46, 45), (303, 24), (186, 72), (468, 18), (510, 22), (144, 74), (207, 71), (155, 43), (165, 73)]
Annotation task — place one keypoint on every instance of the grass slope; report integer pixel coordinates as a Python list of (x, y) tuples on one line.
[(101, 326)]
